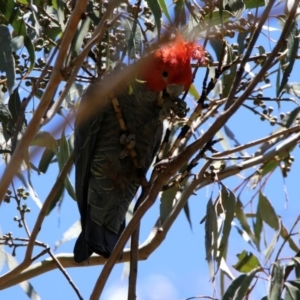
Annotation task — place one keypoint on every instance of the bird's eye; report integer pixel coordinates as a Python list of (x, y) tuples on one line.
[(165, 74)]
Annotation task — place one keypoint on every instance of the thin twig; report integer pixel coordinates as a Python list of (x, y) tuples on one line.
[(56, 77), (285, 240), (189, 151), (246, 56), (38, 224), (21, 113), (134, 257), (158, 234), (257, 142), (22, 213), (72, 70), (62, 269)]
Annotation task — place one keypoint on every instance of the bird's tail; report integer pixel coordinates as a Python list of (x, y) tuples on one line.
[(97, 238)]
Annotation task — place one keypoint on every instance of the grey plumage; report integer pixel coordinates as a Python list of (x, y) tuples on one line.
[(106, 179)]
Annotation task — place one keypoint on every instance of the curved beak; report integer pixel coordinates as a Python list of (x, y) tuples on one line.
[(174, 90)]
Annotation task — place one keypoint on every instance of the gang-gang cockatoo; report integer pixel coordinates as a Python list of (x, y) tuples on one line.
[(105, 177)]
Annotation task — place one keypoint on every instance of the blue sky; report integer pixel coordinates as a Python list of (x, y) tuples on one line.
[(177, 269)]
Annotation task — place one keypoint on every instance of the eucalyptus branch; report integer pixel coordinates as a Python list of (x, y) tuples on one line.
[(225, 116), (21, 116), (159, 232), (61, 268), (56, 77), (262, 115), (259, 159), (244, 61), (286, 239), (38, 224), (147, 199), (71, 71), (161, 178), (257, 142)]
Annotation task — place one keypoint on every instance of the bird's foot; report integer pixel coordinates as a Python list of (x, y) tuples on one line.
[(128, 140)]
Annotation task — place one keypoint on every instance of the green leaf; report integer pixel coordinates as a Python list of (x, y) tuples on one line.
[(241, 40), (79, 36), (244, 288), (267, 212), (75, 92), (228, 202), (58, 198), (45, 139), (229, 76), (156, 10), (286, 236), (45, 160), (62, 156), (292, 290), (265, 169), (292, 116), (165, 10), (52, 32), (54, 4), (236, 7), (292, 47), (25, 2), (71, 142), (254, 3), (69, 234), (296, 261), (217, 46), (211, 236), (17, 43), (276, 281), (233, 287), (92, 13), (271, 246), (240, 215), (258, 226), (14, 17), (293, 88), (194, 92), (269, 167), (187, 213), (26, 286), (167, 202), (133, 35), (7, 63), (247, 262), (14, 104), (215, 19), (179, 10), (5, 115), (60, 13)]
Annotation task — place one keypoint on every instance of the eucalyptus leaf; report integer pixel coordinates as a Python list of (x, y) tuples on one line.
[(292, 51), (17, 43), (13, 15), (70, 234), (276, 282), (45, 160), (228, 202), (156, 10), (26, 286), (7, 63), (236, 7), (14, 105), (247, 261), (211, 236)]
